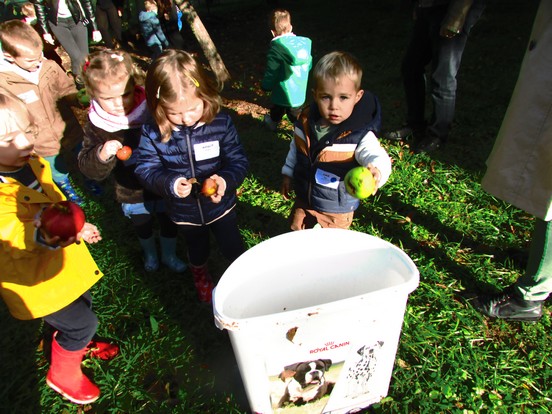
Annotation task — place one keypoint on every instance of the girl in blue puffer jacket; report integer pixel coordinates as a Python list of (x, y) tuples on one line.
[(190, 142)]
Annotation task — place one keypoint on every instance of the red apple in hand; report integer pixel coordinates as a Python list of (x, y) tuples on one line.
[(209, 187), (64, 220), (124, 153)]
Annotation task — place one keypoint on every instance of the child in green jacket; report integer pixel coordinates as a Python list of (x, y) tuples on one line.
[(288, 64)]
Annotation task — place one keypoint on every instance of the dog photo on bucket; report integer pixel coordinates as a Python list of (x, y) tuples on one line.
[(304, 386)]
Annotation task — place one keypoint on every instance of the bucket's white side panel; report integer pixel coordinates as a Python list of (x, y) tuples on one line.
[(360, 343)]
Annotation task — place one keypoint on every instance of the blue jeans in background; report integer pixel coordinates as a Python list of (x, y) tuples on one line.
[(427, 46), (74, 39)]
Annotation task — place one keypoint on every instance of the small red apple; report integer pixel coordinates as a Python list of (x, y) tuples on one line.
[(209, 187), (63, 219), (124, 153)]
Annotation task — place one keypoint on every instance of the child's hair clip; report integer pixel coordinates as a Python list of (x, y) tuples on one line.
[(85, 66), (117, 56), (194, 80), (158, 92)]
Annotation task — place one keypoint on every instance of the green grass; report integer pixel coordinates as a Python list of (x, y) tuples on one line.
[(450, 358)]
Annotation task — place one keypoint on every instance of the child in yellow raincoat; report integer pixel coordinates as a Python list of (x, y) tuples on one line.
[(43, 276)]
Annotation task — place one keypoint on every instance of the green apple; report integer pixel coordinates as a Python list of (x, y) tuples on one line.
[(360, 182)]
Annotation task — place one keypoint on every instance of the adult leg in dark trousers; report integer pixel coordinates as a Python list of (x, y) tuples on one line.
[(427, 46), (109, 23)]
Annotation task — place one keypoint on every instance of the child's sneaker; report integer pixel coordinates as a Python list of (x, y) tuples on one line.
[(67, 189), (270, 123), (93, 187), (79, 83)]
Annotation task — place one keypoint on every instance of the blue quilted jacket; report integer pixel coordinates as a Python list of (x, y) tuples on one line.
[(199, 151)]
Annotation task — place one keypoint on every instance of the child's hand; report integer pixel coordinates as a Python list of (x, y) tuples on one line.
[(286, 187), (109, 149), (48, 38), (89, 233), (55, 241), (96, 36), (221, 188), (183, 187), (377, 176)]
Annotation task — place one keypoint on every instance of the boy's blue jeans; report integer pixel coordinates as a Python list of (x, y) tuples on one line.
[(74, 39), (427, 46)]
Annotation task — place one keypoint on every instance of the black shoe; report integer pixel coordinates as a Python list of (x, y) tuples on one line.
[(79, 83), (428, 145), (400, 134), (403, 133), (93, 187), (508, 306)]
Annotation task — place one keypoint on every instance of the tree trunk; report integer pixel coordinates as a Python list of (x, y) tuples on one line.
[(202, 36)]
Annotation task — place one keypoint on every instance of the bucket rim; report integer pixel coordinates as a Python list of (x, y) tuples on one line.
[(223, 321)]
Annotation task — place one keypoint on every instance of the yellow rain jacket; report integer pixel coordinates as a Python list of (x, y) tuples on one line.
[(35, 280)]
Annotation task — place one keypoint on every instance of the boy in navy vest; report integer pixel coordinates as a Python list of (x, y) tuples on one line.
[(334, 135)]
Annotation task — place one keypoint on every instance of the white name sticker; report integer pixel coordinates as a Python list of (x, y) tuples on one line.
[(28, 97), (326, 179), (206, 150)]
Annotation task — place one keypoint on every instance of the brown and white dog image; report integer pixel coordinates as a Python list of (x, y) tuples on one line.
[(305, 382)]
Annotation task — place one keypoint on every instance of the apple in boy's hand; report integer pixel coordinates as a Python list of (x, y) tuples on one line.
[(124, 153), (360, 182), (63, 219), (209, 187)]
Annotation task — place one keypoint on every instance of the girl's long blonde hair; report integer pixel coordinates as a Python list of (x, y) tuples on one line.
[(172, 74)]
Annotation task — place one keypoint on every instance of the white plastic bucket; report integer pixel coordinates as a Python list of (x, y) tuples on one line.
[(314, 317)]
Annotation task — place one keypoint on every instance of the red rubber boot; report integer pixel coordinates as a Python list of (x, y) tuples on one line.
[(203, 282), (65, 376)]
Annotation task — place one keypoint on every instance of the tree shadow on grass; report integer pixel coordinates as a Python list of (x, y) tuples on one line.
[(266, 150), (213, 354), (399, 235), (210, 359), (20, 379)]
